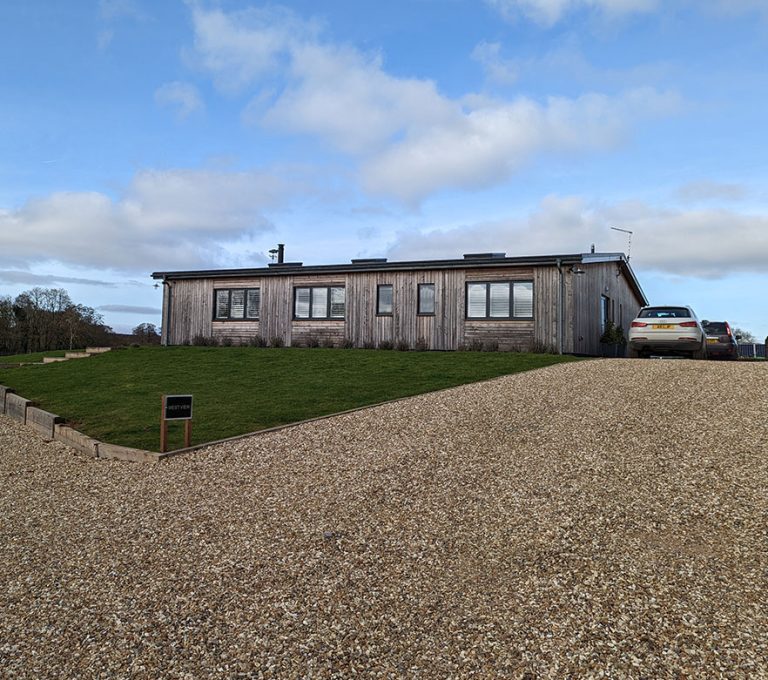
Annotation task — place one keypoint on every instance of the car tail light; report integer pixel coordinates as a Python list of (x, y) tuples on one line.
[(638, 324), (728, 330), (689, 324)]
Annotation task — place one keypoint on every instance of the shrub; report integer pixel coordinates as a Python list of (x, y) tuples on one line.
[(475, 345), (538, 347), (205, 341), (402, 346), (328, 343), (491, 346), (347, 344), (422, 345), (276, 341), (386, 344), (226, 341), (369, 345), (257, 341), (312, 341)]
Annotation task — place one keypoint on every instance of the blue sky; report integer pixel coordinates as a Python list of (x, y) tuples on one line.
[(138, 136)]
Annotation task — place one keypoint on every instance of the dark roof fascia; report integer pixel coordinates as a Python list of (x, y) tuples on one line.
[(621, 258), (634, 283), (545, 260)]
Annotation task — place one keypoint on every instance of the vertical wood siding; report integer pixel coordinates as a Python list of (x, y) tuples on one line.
[(192, 309), (602, 278)]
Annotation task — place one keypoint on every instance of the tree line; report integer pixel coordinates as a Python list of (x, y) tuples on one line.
[(45, 319)]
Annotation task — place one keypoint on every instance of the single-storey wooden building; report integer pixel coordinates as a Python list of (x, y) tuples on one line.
[(560, 302)]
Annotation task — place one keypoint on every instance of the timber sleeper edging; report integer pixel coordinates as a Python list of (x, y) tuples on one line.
[(51, 428)]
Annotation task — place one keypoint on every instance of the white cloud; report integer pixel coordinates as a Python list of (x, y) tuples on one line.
[(673, 241), (488, 143), (111, 10), (129, 309), (497, 69), (549, 12), (409, 138), (165, 219), (183, 97), (707, 190), (240, 48), (347, 99)]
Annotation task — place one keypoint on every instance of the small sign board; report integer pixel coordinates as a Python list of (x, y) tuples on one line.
[(177, 407)]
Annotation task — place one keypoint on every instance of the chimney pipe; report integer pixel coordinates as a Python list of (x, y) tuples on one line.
[(280, 253), (593, 248)]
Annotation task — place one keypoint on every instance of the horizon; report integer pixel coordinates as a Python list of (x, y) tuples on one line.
[(143, 137)]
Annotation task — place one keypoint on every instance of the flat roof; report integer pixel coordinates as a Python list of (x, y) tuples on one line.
[(470, 261)]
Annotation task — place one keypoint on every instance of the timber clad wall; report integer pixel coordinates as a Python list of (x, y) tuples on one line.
[(191, 310)]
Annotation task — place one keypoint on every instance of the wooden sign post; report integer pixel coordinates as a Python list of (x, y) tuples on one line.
[(176, 407)]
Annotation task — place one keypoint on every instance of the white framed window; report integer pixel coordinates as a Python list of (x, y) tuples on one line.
[(319, 302), (500, 300), (384, 299), (236, 304)]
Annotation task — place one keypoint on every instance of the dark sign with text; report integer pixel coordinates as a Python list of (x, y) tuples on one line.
[(177, 407)]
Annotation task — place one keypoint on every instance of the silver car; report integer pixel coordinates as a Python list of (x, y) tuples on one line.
[(667, 330)]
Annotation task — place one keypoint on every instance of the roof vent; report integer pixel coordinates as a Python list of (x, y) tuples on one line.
[(484, 256), (369, 260)]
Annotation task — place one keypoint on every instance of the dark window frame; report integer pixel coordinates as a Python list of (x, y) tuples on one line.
[(229, 316), (378, 299), (511, 283), (329, 295), (419, 311)]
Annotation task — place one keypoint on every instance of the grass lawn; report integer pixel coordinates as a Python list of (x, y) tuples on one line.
[(116, 396), (34, 357)]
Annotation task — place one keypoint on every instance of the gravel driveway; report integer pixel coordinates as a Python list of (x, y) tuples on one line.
[(597, 518)]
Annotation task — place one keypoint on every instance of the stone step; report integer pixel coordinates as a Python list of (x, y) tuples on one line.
[(76, 355), (52, 360), (97, 350)]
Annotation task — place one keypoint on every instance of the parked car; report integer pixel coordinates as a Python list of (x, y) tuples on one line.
[(721, 342), (667, 330)]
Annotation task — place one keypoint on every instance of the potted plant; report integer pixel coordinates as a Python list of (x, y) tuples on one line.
[(612, 341)]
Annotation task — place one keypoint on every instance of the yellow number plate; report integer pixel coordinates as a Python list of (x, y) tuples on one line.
[(712, 340), (663, 326)]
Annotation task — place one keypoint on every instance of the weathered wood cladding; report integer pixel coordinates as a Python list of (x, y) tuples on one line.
[(443, 330), (191, 309), (601, 278)]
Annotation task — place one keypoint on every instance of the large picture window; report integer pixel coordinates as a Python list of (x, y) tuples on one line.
[(236, 304), (384, 304), (319, 302), (500, 300)]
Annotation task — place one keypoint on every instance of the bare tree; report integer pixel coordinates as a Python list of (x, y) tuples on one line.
[(146, 334), (745, 336)]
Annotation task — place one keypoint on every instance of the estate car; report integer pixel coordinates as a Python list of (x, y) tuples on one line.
[(666, 330)]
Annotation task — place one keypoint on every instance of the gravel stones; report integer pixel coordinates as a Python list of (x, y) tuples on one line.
[(603, 518)]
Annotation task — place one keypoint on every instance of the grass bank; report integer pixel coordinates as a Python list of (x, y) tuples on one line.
[(116, 397), (33, 357)]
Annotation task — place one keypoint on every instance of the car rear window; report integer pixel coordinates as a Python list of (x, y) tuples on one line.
[(716, 327), (665, 313)]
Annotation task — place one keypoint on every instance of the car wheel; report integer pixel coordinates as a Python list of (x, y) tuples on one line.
[(700, 353), (633, 353)]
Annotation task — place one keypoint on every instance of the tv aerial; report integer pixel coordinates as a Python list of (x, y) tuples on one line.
[(629, 238)]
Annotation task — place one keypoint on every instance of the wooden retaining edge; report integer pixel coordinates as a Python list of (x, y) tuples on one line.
[(49, 427)]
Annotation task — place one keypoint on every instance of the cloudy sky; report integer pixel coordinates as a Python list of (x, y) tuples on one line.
[(138, 135)]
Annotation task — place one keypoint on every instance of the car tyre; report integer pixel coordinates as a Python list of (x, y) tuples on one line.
[(633, 353), (700, 353)]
